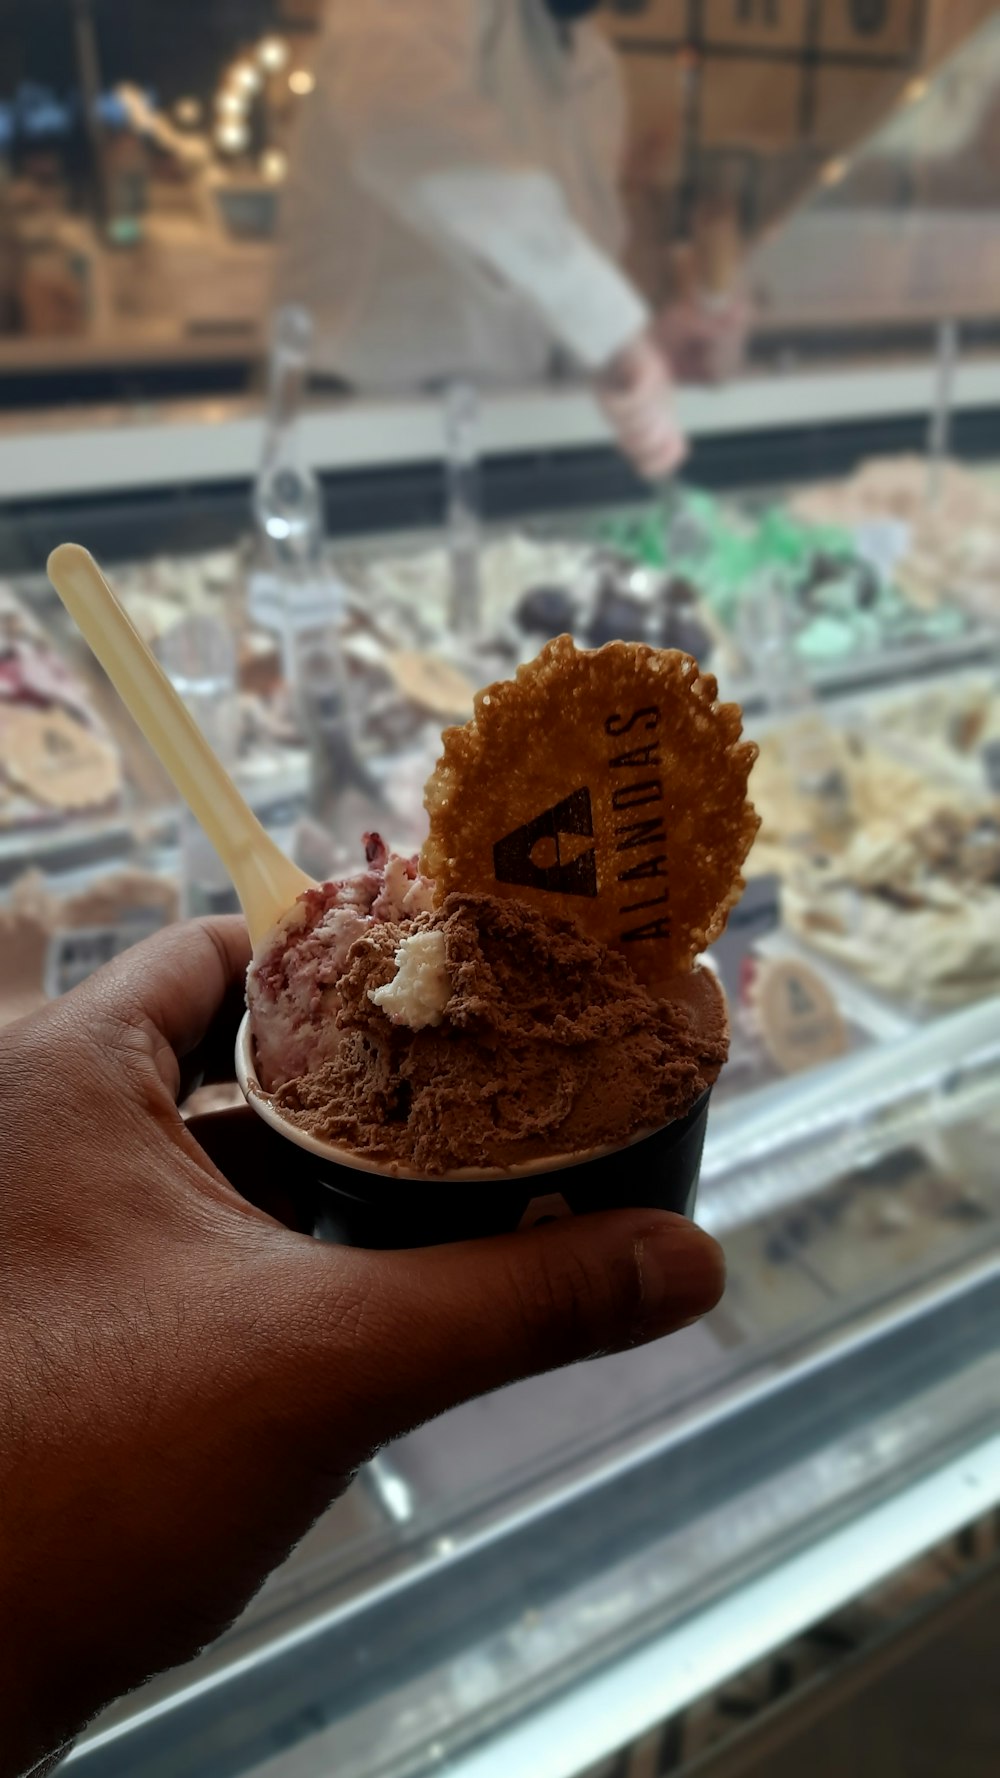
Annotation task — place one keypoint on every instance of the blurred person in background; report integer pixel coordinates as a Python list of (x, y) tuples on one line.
[(454, 212)]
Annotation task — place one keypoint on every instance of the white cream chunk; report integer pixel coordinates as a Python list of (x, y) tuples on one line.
[(421, 989)]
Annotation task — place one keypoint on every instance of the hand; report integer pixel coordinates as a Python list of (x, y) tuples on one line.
[(185, 1382), (636, 391), (705, 342)]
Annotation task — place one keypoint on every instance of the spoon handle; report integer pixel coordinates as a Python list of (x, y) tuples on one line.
[(266, 882)]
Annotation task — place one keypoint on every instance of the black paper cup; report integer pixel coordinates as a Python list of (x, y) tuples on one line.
[(377, 1207)]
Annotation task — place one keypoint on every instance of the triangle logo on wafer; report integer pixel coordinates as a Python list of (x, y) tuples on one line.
[(550, 853), (605, 787)]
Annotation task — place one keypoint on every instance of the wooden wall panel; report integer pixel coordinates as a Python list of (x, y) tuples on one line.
[(754, 24), (870, 27)]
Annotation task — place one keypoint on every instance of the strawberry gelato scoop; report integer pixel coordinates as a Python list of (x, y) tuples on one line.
[(293, 985), (475, 1034)]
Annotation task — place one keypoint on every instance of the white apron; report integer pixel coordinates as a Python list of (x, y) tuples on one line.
[(452, 207)]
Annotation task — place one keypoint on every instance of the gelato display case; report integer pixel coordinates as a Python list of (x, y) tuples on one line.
[(535, 1581), (547, 1578)]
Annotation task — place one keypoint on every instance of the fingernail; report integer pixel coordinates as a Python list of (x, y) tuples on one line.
[(683, 1274)]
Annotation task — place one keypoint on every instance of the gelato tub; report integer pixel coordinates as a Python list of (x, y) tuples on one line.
[(364, 1205)]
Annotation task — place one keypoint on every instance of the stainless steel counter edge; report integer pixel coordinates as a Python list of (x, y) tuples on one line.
[(612, 1709), (186, 443)]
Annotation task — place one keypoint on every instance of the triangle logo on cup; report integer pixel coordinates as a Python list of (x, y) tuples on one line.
[(546, 853)]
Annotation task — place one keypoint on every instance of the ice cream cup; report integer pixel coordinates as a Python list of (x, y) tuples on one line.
[(368, 1205)]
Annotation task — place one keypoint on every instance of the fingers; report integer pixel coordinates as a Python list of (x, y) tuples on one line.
[(642, 414), (177, 982), (655, 450), (419, 1332), (656, 453)]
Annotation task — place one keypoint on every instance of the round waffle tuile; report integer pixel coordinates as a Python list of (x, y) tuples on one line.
[(608, 788)]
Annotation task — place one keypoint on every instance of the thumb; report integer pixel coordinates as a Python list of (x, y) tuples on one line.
[(175, 985), (419, 1332)]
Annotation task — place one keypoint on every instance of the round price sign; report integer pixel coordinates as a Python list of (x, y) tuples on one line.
[(801, 1025)]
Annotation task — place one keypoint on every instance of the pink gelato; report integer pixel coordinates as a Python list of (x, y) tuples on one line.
[(292, 987)]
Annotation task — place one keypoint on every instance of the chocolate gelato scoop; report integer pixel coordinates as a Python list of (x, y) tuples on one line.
[(617, 616), (485, 1035), (547, 611), (678, 624)]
